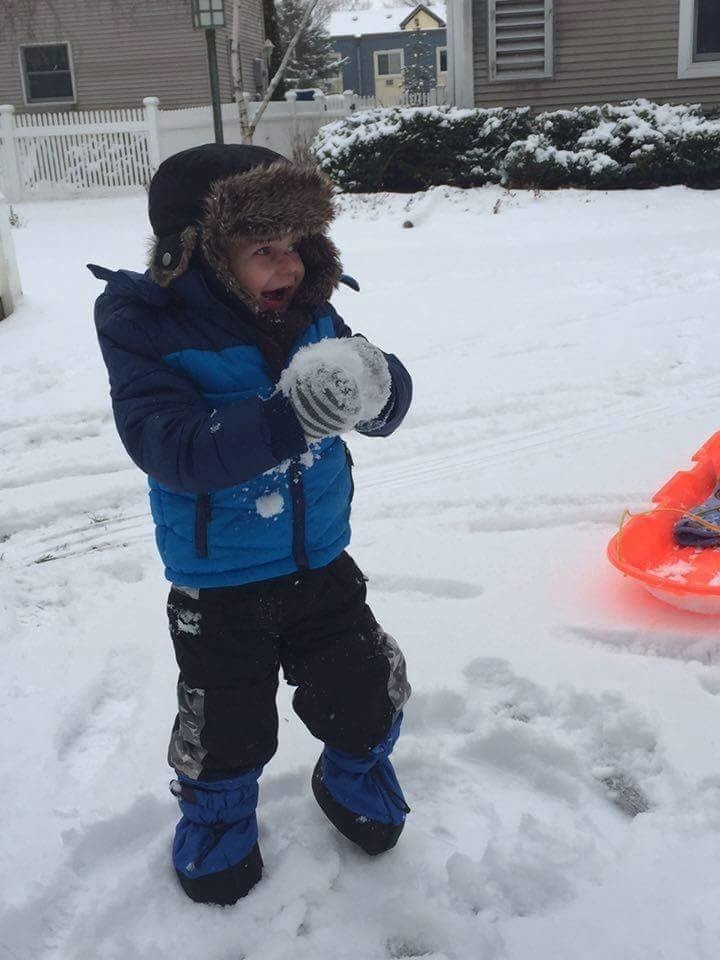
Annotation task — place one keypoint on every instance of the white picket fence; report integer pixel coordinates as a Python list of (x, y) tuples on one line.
[(101, 152), (433, 98), (61, 154)]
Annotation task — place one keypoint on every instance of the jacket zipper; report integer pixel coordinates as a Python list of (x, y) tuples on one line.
[(203, 515), (297, 498)]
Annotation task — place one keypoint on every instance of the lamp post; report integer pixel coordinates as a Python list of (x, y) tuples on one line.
[(207, 15)]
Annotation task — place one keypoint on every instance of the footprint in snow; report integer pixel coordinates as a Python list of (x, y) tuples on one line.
[(709, 680), (512, 696), (627, 796), (125, 834), (439, 710), (562, 740), (398, 948), (95, 727)]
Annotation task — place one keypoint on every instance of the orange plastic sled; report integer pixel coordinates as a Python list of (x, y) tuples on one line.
[(644, 548)]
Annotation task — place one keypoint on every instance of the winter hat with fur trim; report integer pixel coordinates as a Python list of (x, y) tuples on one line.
[(213, 196)]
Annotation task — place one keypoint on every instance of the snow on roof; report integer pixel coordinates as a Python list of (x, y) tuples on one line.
[(358, 23)]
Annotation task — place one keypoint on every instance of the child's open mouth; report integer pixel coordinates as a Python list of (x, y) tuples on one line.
[(277, 296)]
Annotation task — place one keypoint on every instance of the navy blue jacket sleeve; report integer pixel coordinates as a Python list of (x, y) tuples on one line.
[(400, 398), (171, 431)]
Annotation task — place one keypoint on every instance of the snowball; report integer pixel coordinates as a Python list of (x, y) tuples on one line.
[(352, 359), (270, 505)]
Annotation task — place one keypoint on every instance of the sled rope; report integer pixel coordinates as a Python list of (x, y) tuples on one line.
[(646, 513)]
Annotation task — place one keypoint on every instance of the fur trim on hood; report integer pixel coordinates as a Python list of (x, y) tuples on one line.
[(263, 203)]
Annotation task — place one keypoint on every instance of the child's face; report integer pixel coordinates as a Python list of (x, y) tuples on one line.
[(270, 271)]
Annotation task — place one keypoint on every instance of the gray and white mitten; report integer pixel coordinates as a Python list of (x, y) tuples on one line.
[(326, 401), (375, 381), (335, 384)]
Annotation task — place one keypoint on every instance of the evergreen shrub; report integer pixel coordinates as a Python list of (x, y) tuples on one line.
[(638, 144)]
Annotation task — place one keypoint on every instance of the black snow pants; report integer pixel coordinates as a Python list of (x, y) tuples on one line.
[(230, 643)]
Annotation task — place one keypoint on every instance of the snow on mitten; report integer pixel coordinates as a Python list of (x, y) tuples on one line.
[(326, 401), (375, 382), (335, 384)]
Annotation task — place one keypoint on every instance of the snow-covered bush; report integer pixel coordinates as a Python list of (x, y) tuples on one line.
[(535, 162), (406, 149), (563, 128), (638, 144)]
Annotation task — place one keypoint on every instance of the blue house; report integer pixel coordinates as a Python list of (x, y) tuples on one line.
[(374, 45)]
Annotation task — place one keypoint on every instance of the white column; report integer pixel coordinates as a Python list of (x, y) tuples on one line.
[(461, 81), (9, 167), (152, 119)]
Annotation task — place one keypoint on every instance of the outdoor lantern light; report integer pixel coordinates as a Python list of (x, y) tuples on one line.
[(207, 15)]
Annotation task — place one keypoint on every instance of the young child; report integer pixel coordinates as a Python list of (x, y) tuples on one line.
[(232, 380)]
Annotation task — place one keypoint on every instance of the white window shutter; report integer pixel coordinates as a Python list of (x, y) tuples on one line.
[(520, 39)]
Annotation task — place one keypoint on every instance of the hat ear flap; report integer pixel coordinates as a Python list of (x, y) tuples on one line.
[(170, 256), (323, 270)]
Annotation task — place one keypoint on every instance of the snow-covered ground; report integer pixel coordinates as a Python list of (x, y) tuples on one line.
[(565, 356)]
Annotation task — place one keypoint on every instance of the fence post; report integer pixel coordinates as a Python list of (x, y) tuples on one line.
[(10, 289), (335, 103), (152, 120), (291, 98), (8, 157)]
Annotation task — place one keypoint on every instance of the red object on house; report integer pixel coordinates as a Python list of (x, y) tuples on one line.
[(644, 548)]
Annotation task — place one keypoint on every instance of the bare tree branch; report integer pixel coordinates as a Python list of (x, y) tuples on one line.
[(248, 128)]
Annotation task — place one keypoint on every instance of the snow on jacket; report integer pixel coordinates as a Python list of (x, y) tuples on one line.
[(236, 495)]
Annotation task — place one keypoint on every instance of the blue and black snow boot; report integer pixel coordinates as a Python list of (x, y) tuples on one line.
[(701, 532), (361, 795), (215, 850)]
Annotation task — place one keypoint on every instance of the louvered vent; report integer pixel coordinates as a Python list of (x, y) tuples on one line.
[(519, 38)]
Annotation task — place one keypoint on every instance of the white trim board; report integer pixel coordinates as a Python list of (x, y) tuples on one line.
[(688, 67), (461, 79)]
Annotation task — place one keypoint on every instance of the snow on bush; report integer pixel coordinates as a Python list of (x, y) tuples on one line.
[(407, 149), (637, 144)]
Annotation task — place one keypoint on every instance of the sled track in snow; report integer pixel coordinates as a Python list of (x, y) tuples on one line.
[(63, 553), (112, 533), (475, 454)]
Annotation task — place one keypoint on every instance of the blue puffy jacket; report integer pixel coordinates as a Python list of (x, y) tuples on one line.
[(235, 493)]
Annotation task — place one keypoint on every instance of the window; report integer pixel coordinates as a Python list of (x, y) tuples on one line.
[(388, 63), (699, 39), (47, 73), (442, 60), (520, 39), (707, 30), (334, 84)]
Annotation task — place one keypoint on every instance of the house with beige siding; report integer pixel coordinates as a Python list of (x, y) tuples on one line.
[(559, 53), (94, 54)]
